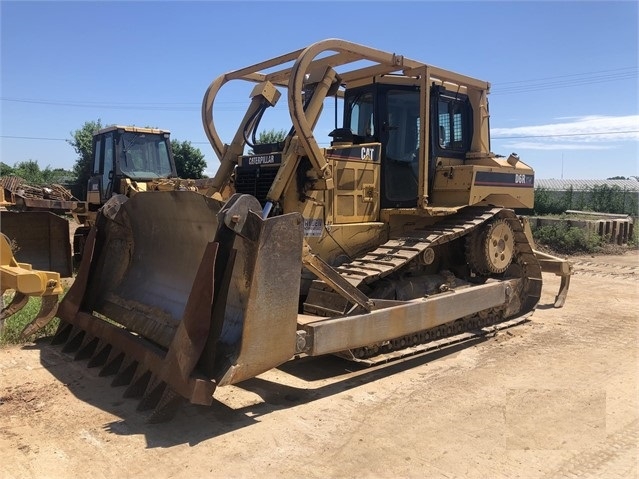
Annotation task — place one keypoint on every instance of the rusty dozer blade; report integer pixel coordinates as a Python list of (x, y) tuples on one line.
[(27, 282), (187, 293)]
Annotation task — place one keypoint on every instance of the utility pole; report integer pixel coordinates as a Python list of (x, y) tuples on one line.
[(562, 166)]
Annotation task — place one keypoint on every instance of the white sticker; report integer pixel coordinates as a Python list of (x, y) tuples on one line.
[(313, 227)]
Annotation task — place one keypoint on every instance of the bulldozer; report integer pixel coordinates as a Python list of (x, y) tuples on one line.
[(399, 235)]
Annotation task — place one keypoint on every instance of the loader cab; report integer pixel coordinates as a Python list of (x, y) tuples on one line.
[(390, 114), (139, 154)]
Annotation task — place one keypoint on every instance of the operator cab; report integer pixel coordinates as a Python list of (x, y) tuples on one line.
[(139, 154), (390, 114)]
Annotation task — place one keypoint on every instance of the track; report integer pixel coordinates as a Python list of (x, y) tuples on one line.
[(397, 253)]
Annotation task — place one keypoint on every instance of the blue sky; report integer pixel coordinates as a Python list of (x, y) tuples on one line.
[(563, 74)]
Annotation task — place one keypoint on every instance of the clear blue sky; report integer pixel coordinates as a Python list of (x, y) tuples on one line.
[(564, 74)]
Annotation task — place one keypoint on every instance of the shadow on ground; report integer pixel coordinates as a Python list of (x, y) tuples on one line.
[(319, 377)]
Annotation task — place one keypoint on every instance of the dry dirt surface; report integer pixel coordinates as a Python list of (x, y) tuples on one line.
[(554, 397)]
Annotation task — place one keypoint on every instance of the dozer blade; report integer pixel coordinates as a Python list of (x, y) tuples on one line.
[(42, 238), (184, 293)]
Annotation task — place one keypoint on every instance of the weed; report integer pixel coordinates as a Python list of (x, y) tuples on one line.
[(14, 325)]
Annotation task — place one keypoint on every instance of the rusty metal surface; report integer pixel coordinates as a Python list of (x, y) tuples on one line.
[(151, 372), (146, 260), (48, 309), (261, 308)]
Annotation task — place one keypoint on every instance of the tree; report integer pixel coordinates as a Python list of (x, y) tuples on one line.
[(270, 136), (82, 143), (618, 178), (189, 161), (5, 170), (30, 172)]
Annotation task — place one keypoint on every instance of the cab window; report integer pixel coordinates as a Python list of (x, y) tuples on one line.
[(453, 124)]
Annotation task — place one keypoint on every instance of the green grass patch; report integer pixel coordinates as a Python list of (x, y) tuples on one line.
[(14, 325)]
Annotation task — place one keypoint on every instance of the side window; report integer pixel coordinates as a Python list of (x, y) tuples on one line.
[(108, 154), (96, 157), (164, 164), (444, 125), (107, 185), (454, 117), (362, 121)]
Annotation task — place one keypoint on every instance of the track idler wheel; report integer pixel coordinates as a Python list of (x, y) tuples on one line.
[(490, 250)]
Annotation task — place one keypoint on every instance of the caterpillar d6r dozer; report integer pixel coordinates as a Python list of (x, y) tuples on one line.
[(398, 236)]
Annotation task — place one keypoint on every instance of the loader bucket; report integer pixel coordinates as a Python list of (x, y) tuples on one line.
[(42, 239), (177, 293)]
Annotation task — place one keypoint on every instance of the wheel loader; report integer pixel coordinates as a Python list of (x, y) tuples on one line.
[(399, 235), (126, 160)]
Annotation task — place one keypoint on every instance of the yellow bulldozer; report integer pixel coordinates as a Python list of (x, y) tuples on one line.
[(400, 233)]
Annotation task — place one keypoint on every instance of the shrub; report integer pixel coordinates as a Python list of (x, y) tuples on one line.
[(567, 240)]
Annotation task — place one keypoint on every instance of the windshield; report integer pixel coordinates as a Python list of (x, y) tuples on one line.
[(145, 155)]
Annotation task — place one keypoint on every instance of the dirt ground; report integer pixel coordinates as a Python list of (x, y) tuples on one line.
[(554, 397)]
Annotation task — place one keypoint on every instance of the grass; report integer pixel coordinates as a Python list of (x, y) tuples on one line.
[(14, 325)]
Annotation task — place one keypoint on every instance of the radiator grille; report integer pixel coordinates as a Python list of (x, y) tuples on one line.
[(255, 181)]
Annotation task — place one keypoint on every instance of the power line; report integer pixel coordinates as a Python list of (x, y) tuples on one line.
[(493, 138), (624, 69), (66, 139), (564, 135), (220, 106), (32, 138), (564, 84), (499, 88)]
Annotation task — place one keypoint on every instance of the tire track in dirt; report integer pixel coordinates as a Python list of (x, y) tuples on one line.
[(605, 270), (600, 461)]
